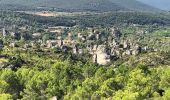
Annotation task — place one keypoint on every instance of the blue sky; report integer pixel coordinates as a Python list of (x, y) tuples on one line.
[(162, 4)]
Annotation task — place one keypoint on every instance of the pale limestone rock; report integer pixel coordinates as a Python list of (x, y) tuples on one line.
[(36, 35), (12, 44), (136, 50), (125, 44), (100, 56), (51, 43), (74, 50), (54, 98), (26, 46), (80, 51), (79, 35), (4, 33), (127, 52), (116, 33)]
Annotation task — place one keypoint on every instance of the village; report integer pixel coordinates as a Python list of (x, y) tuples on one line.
[(102, 52)]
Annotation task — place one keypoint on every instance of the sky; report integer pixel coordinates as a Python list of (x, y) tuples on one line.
[(162, 4)]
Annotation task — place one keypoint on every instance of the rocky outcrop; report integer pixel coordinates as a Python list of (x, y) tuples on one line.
[(100, 55), (116, 33)]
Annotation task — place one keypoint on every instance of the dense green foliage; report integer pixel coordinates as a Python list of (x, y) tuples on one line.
[(102, 19), (42, 79), (41, 74)]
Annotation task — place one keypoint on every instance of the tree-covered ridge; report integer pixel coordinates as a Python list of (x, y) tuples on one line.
[(158, 3), (77, 5), (90, 20)]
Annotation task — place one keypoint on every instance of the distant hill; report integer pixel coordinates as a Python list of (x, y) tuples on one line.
[(161, 4), (77, 5)]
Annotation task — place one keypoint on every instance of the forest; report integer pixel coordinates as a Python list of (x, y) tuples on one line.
[(42, 75), (91, 20)]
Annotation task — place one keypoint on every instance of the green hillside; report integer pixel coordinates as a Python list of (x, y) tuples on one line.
[(77, 5)]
